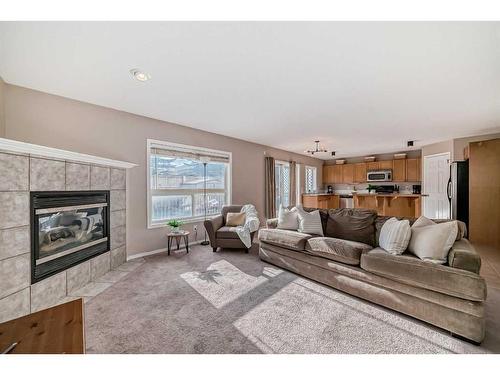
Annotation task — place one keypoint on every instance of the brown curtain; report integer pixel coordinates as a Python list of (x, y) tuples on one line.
[(270, 188), (293, 183)]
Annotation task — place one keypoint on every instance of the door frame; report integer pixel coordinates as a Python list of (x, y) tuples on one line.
[(424, 164)]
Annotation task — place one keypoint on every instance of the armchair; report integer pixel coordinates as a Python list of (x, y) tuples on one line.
[(222, 236)]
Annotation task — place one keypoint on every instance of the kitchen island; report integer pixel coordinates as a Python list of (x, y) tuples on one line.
[(392, 204), (386, 204), (320, 200)]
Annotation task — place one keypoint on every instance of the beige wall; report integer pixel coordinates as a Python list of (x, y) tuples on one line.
[(49, 120), (438, 148), (2, 116)]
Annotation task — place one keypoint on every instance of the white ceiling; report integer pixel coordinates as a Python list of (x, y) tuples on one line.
[(359, 87)]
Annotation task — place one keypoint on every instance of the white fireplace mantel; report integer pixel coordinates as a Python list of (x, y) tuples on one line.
[(9, 145)]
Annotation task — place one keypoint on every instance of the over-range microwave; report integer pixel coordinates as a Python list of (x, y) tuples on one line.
[(379, 176)]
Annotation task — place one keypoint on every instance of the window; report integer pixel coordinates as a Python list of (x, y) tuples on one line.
[(177, 178), (310, 179), (298, 186), (282, 181)]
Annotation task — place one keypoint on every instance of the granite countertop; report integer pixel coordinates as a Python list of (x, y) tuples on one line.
[(410, 195), (389, 195), (316, 194), (313, 194)]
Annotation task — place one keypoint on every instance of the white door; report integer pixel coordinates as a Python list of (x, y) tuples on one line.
[(436, 175)]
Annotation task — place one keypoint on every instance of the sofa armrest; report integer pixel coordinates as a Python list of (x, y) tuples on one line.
[(463, 256), (272, 223), (212, 226)]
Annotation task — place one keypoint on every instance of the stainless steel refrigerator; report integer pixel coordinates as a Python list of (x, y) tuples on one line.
[(458, 191)]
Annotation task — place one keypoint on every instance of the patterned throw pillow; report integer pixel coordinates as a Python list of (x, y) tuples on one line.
[(288, 219), (309, 222), (395, 236)]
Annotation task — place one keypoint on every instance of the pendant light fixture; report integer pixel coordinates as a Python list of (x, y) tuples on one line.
[(317, 149)]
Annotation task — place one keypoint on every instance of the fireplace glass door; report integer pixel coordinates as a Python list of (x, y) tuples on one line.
[(67, 228), (64, 230)]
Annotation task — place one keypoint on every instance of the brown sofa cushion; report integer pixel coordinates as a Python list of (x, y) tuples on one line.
[(411, 270), (352, 224), (344, 251), (285, 238), (227, 232)]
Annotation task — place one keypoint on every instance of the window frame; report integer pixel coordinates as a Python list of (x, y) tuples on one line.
[(315, 178), (179, 146)]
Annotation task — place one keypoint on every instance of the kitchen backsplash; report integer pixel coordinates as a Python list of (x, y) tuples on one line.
[(405, 187)]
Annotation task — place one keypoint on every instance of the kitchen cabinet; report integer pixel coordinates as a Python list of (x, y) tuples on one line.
[(328, 174), (332, 174), (390, 204), (360, 172), (385, 164), (337, 174), (348, 173), (372, 165), (413, 170), (403, 170), (399, 170), (325, 201)]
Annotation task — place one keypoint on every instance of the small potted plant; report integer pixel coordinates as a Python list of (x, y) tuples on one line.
[(175, 225)]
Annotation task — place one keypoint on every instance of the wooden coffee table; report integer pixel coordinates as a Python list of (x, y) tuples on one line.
[(178, 237), (57, 330)]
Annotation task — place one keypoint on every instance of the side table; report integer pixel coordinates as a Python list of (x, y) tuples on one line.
[(178, 237)]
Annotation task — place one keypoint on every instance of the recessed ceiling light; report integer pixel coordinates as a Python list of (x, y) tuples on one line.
[(140, 75)]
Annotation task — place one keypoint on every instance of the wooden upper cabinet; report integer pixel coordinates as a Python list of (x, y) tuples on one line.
[(332, 174), (348, 173), (337, 174), (413, 170), (372, 165), (328, 174), (399, 170), (385, 164), (360, 172), (402, 170)]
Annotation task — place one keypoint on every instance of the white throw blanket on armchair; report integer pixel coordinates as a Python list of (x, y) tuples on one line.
[(251, 225)]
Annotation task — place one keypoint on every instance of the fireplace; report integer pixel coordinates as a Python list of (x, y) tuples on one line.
[(67, 228)]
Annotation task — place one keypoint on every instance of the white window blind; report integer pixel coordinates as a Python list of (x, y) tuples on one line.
[(282, 182), (310, 179)]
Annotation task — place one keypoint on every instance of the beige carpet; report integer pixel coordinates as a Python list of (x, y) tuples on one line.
[(231, 302)]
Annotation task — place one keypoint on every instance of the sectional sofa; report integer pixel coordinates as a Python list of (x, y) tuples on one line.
[(348, 258)]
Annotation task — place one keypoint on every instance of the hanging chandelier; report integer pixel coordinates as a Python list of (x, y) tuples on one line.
[(318, 148)]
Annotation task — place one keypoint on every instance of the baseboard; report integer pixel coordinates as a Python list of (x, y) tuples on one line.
[(158, 251)]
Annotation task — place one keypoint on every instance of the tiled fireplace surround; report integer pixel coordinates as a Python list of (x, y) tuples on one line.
[(20, 174)]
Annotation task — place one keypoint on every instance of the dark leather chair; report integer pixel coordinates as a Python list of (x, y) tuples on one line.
[(222, 236)]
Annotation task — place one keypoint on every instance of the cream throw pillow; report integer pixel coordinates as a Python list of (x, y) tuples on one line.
[(395, 236), (431, 241), (309, 222), (235, 219), (288, 219)]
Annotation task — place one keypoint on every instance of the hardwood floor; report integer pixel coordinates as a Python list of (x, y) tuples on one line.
[(490, 266)]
